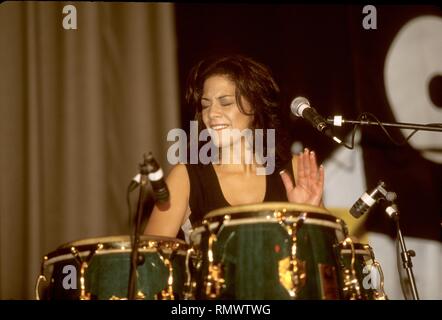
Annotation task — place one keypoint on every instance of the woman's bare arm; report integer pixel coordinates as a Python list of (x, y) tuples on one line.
[(166, 220)]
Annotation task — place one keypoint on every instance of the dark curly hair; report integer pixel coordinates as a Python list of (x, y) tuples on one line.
[(255, 83)]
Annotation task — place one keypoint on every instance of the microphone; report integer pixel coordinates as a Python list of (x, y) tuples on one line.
[(156, 178), (367, 200), (300, 107)]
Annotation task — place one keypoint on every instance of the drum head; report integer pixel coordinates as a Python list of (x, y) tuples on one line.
[(115, 244), (265, 207), (266, 213)]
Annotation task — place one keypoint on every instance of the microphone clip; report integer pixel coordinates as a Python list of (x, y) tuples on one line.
[(369, 199), (386, 195), (143, 166)]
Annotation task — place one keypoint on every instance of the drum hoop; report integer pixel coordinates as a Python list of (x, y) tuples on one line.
[(360, 248), (114, 244), (267, 206), (357, 251), (118, 239), (54, 257), (265, 219)]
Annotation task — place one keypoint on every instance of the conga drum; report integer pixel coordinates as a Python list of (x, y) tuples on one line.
[(361, 276), (99, 268), (272, 250)]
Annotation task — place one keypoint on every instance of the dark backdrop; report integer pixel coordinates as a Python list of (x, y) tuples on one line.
[(324, 53)]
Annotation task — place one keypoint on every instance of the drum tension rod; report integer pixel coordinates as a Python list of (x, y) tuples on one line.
[(296, 269), (214, 282), (381, 294), (352, 290), (167, 294), (40, 278), (84, 264), (189, 285)]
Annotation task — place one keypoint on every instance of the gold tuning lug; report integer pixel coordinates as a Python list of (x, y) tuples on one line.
[(351, 289), (40, 278), (167, 293), (292, 273), (214, 282), (140, 296), (84, 264), (83, 294), (189, 285), (380, 294), (37, 286)]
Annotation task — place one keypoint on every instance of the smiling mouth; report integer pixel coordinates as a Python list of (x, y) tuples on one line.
[(219, 127)]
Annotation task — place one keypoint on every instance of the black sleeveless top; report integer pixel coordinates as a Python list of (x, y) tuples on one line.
[(206, 194)]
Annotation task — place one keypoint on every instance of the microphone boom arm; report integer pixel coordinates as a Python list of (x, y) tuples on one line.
[(338, 121)]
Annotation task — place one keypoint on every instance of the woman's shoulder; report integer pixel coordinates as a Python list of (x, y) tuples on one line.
[(178, 175), (178, 169)]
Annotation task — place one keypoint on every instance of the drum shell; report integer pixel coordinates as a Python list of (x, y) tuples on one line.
[(363, 264), (254, 251), (107, 273)]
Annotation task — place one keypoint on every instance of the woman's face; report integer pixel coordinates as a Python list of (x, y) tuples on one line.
[(220, 111)]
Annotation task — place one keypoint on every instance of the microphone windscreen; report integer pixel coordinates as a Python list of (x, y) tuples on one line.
[(296, 104), (358, 209)]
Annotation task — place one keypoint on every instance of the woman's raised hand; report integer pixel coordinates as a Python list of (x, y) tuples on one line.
[(310, 180)]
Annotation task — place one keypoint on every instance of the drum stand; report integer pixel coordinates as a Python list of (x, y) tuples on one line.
[(406, 255), (136, 259)]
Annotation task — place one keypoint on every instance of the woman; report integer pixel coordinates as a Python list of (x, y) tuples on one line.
[(234, 93)]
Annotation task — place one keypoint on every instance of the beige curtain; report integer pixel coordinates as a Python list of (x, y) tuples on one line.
[(78, 108)]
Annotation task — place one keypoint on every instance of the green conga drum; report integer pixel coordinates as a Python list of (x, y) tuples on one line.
[(99, 269), (361, 275), (272, 250)]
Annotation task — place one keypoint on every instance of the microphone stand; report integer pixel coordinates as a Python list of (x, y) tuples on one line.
[(338, 121), (135, 258), (406, 255)]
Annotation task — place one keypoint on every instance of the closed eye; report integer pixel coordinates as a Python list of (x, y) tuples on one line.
[(205, 104)]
